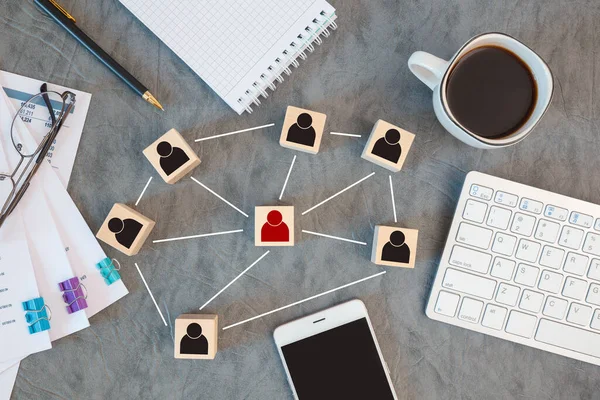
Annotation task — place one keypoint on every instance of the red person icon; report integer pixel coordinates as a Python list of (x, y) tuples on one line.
[(275, 230)]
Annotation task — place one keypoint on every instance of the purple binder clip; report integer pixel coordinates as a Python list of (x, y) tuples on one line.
[(74, 295)]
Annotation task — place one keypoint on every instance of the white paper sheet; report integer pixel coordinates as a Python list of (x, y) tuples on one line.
[(17, 284), (62, 157), (82, 248), (7, 381), (50, 263)]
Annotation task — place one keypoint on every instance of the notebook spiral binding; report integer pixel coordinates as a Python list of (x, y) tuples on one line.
[(321, 26)]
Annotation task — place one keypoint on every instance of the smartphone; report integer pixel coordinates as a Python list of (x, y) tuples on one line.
[(334, 354)]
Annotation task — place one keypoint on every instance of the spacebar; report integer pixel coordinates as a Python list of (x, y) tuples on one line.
[(568, 337)]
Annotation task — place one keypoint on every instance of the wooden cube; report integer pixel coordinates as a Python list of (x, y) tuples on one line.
[(125, 229), (388, 146), (171, 156), (394, 247), (274, 226), (196, 336), (302, 130)]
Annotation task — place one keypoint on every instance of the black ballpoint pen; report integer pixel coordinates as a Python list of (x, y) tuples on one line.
[(64, 19)]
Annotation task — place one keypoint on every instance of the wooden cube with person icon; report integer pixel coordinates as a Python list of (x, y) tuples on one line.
[(394, 247), (388, 146), (274, 226), (302, 130), (171, 156), (125, 229), (196, 336)]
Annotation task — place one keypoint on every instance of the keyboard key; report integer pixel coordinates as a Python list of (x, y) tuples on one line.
[(597, 224), (506, 198), (550, 281), (503, 268), (592, 244), (474, 235), (593, 296), (526, 275), (579, 314), (552, 257), (447, 303), (474, 211), (571, 237), (531, 301), (557, 213), (481, 192), (508, 294), (596, 320), (528, 250), (470, 259), (594, 272), (574, 288), (504, 244), (469, 283), (581, 219), (568, 337), (499, 217), (555, 307), (523, 224), (521, 324), (470, 310), (576, 264), (494, 317), (531, 205), (547, 231)]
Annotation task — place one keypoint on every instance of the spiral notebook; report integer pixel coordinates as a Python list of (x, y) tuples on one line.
[(240, 48)]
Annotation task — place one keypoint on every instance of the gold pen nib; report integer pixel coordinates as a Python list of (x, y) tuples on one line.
[(152, 100)]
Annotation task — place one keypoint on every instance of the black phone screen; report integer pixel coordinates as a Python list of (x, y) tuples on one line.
[(341, 363)]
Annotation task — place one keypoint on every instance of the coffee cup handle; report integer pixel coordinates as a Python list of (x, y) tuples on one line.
[(428, 68)]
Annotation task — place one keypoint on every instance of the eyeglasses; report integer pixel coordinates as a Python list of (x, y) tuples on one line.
[(47, 112)]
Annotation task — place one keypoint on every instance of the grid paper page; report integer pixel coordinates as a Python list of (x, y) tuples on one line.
[(224, 41)]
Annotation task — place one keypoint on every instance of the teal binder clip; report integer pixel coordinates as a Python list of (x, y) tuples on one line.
[(109, 272), (37, 315)]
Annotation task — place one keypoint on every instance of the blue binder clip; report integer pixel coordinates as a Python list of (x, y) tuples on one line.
[(37, 315), (109, 272)]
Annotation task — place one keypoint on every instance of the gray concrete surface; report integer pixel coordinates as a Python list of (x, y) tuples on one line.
[(358, 76)]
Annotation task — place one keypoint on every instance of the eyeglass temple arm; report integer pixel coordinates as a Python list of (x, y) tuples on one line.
[(44, 88), (14, 202), (53, 134)]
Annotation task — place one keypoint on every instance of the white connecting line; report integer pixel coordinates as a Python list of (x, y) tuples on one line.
[(235, 132), (393, 201), (334, 237), (235, 279), (338, 193), (344, 134), (197, 236), (143, 191), (305, 300), (287, 178), (213, 192), (151, 295)]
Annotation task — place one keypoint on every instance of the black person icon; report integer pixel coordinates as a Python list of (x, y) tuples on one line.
[(171, 158), (388, 147), (193, 342), (396, 250), (126, 231), (302, 131)]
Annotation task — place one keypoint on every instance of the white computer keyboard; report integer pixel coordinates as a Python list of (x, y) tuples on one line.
[(522, 264)]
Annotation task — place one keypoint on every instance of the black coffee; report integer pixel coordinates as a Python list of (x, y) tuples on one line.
[(491, 92)]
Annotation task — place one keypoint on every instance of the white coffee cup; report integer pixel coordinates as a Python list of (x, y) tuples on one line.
[(434, 72)]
